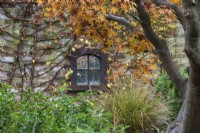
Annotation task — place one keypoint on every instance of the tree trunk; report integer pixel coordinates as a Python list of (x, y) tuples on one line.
[(188, 120), (191, 115)]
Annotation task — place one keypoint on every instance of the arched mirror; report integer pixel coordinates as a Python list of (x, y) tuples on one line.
[(88, 70)]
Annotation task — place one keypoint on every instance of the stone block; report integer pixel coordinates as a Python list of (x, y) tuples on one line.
[(7, 59)]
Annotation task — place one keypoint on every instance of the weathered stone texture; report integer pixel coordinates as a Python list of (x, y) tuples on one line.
[(176, 46), (31, 55)]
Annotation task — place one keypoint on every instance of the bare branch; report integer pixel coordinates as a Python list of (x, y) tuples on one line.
[(54, 76), (120, 20)]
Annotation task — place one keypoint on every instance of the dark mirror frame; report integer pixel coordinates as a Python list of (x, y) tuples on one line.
[(103, 69)]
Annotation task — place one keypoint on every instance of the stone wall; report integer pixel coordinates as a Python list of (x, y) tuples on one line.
[(176, 46), (34, 52)]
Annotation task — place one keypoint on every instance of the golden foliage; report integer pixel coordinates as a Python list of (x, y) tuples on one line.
[(178, 2)]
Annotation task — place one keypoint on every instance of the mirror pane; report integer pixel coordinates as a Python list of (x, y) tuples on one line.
[(82, 62), (94, 62), (94, 77), (82, 77)]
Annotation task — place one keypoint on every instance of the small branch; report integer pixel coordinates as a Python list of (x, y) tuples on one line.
[(44, 38), (134, 17), (53, 78), (46, 70), (16, 18), (120, 20), (4, 33), (14, 2), (35, 124)]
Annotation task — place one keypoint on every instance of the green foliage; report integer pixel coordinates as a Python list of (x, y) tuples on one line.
[(62, 113), (136, 107), (165, 86), (7, 104)]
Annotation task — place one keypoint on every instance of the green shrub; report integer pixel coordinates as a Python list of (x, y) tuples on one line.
[(37, 113), (7, 103), (165, 86), (138, 108)]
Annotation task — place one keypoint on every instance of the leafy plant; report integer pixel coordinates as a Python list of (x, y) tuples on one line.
[(165, 86), (136, 107), (7, 104), (62, 113)]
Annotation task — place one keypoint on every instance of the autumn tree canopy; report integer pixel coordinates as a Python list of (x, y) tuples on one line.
[(115, 28)]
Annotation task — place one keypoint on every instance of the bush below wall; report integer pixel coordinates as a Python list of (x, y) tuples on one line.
[(62, 113)]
